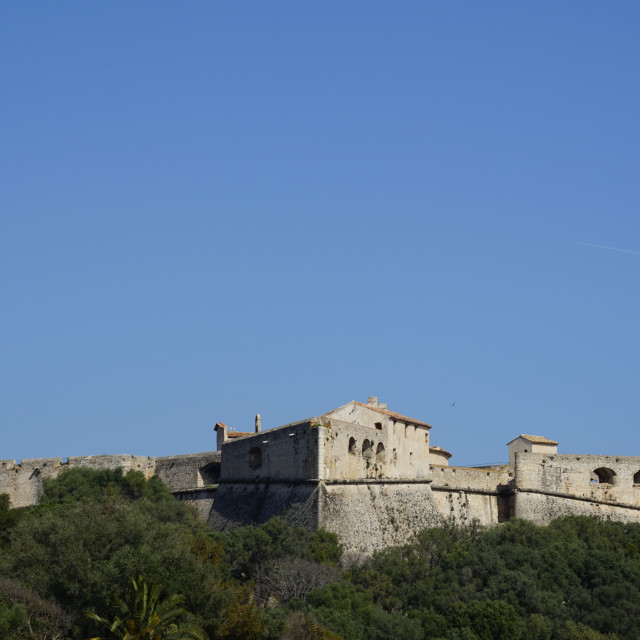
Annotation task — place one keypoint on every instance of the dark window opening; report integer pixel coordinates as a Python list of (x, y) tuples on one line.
[(636, 478), (255, 458), (352, 446), (367, 449), (603, 475), (379, 426), (380, 453), (209, 474)]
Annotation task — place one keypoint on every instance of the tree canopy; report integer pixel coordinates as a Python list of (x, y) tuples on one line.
[(77, 552)]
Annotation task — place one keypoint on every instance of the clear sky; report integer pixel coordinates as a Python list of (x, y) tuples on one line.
[(213, 209)]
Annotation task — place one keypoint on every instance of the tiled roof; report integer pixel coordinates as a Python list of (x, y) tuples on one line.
[(395, 415), (535, 439), (232, 434)]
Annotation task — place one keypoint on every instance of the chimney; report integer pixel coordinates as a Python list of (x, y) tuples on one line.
[(372, 401), (258, 423), (221, 434)]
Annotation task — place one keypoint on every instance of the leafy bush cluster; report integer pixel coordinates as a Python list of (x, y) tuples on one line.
[(77, 552)]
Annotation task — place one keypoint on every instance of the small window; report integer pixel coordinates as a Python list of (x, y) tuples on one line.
[(367, 449), (379, 426), (255, 458), (352, 446), (380, 453), (636, 478)]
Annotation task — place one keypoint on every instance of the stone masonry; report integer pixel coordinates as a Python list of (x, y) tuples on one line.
[(367, 473)]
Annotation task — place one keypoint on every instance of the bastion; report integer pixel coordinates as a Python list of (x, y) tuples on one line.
[(367, 473)]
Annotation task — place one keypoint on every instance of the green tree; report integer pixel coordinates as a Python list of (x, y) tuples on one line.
[(144, 616), (578, 631), (8, 518)]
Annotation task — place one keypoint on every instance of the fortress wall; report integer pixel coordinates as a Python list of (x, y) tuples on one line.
[(127, 462), (574, 474), (464, 507), (190, 471), (456, 478), (23, 481), (240, 504), (285, 453), (550, 486), (200, 499), (370, 516), (466, 494), (542, 508)]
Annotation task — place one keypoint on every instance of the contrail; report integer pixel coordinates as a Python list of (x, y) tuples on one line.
[(603, 246)]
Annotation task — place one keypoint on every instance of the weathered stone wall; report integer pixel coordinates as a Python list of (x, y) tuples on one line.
[(551, 486), (367, 515), (372, 515), (285, 453), (521, 444), (190, 471), (464, 506), (541, 508), (406, 445), (23, 481), (354, 451), (574, 474), (201, 499), (467, 494), (462, 478), (239, 504)]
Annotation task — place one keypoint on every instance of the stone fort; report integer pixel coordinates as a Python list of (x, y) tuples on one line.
[(367, 473)]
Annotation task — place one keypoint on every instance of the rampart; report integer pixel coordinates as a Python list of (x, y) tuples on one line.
[(465, 494), (22, 480), (550, 486)]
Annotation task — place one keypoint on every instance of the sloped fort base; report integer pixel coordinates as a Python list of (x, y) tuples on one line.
[(367, 515)]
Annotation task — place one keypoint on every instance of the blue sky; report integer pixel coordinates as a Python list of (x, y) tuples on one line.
[(214, 209)]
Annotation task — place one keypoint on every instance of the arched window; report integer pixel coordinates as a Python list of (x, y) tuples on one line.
[(636, 478), (352, 446), (255, 458), (380, 452), (603, 475), (367, 449)]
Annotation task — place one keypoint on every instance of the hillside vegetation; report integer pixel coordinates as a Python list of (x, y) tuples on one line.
[(88, 558)]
